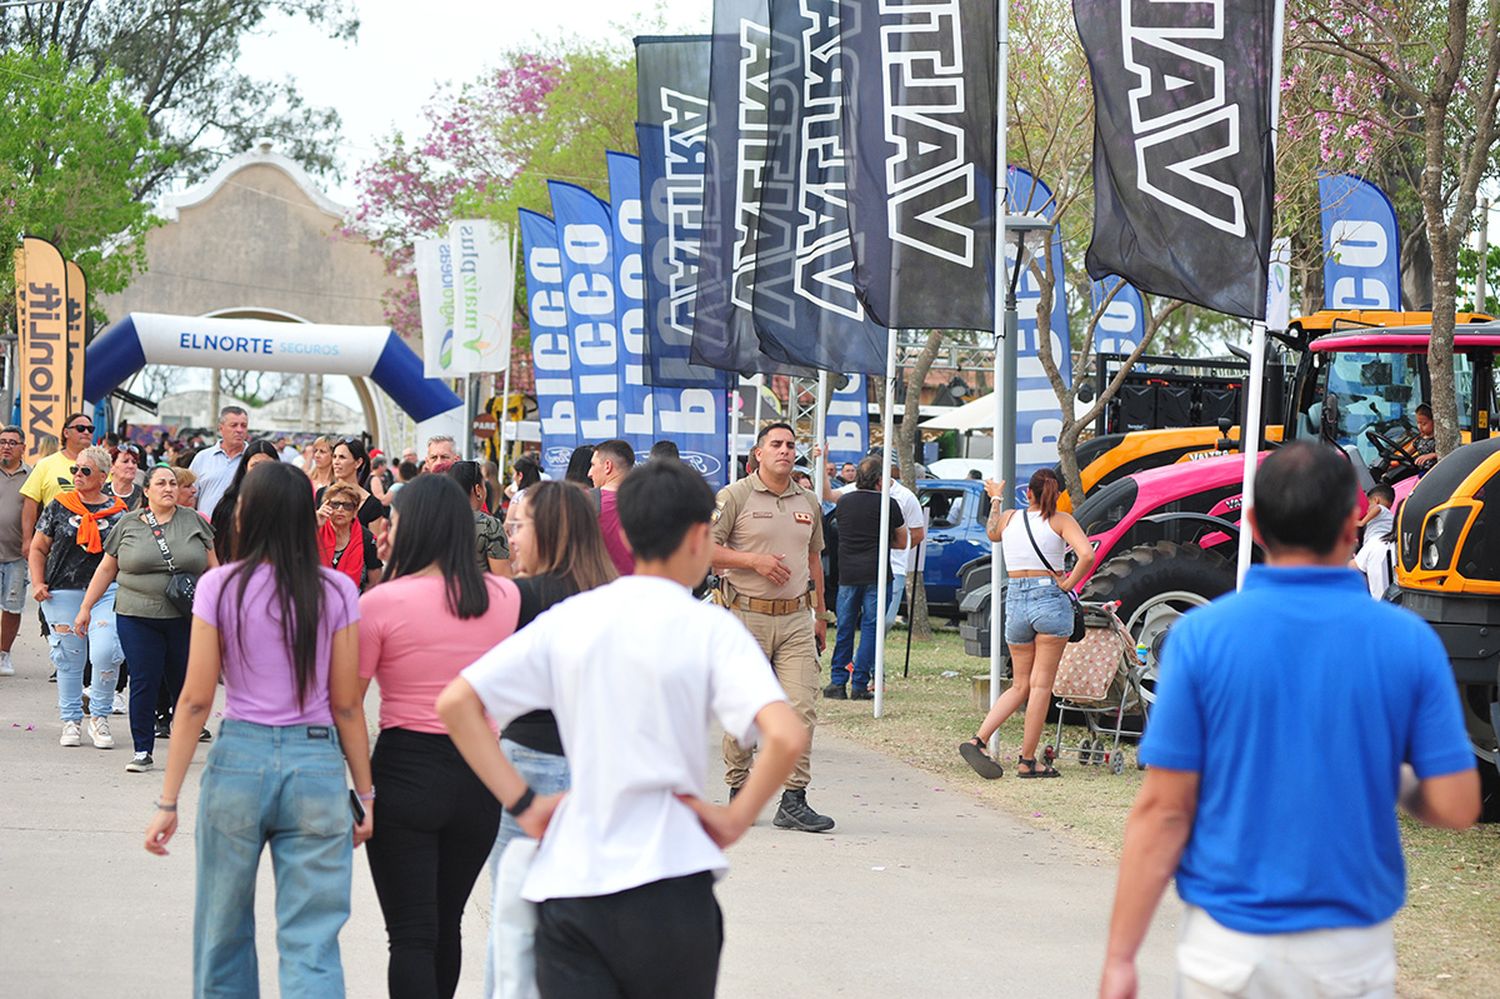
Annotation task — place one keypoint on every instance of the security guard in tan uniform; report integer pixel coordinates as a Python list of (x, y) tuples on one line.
[(768, 533)]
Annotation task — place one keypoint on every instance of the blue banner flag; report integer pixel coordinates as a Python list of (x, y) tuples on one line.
[(551, 351), (849, 421), (583, 236), (1122, 325), (1361, 245), (637, 422), (1038, 419)]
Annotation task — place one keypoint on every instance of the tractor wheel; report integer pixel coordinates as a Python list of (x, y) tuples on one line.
[(1156, 584)]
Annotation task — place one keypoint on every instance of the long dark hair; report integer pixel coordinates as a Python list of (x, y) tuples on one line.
[(278, 528), (1045, 487), (467, 474), (569, 545), (527, 472), (222, 517), (361, 456), (578, 465), (437, 528)]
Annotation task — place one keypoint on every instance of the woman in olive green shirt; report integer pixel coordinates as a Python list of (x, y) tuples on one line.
[(153, 634)]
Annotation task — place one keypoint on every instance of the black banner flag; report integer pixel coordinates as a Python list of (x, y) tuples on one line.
[(671, 134), (1183, 172), (736, 158), (805, 304), (919, 114)]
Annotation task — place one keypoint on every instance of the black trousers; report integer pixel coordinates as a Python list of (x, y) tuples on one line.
[(434, 826), (658, 941)]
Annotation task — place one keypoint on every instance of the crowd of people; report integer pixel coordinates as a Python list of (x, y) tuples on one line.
[(489, 617)]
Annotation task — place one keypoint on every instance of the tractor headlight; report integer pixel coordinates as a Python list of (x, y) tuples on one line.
[(1440, 536), (1430, 556)]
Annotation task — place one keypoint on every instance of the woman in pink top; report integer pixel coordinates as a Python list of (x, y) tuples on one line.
[(283, 633), (435, 614)]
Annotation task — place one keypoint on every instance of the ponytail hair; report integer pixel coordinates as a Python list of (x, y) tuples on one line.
[(1045, 487)]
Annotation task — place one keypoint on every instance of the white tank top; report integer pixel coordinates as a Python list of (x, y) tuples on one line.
[(1019, 555)]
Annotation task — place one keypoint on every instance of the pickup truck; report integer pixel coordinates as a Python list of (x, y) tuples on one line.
[(955, 510)]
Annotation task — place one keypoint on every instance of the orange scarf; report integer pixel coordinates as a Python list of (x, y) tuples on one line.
[(88, 520)]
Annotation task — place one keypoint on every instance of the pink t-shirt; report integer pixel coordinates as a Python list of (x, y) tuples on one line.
[(614, 534), (413, 645), (260, 682)]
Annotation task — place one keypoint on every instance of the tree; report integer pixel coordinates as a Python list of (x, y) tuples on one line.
[(73, 151), (1440, 77), (178, 60)]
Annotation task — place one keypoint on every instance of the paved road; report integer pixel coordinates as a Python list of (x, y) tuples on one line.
[(922, 891)]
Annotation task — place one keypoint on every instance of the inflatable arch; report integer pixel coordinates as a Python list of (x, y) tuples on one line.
[(295, 347)]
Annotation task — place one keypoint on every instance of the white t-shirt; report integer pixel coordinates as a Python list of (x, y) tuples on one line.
[(1381, 525), (903, 560), (1374, 559), (633, 671)]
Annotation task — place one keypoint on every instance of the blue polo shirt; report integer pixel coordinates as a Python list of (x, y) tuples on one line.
[(1296, 701)]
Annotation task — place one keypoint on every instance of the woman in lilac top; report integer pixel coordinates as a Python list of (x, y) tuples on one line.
[(283, 633)]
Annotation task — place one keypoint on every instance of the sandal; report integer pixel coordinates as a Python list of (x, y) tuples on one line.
[(982, 763), (1032, 771)]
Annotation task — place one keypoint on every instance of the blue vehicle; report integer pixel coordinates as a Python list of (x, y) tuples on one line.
[(956, 510)]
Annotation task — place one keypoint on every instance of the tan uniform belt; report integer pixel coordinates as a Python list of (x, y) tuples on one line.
[(776, 608)]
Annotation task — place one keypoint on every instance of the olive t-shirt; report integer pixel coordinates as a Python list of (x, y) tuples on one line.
[(143, 575)]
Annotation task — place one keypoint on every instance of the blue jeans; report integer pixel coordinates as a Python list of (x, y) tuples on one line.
[(547, 774), (156, 650), (101, 647), (893, 600), (282, 785), (856, 609)]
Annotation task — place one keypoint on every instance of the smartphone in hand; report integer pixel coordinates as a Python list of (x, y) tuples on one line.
[(357, 807)]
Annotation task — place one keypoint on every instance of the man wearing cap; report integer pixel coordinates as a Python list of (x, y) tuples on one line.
[(768, 537)]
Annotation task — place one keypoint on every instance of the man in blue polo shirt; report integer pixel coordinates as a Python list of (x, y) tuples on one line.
[(1292, 719)]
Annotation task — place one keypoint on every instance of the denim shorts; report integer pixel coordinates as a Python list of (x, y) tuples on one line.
[(1036, 605), (13, 586)]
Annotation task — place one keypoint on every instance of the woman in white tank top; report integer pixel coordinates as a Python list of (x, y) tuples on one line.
[(1038, 613)]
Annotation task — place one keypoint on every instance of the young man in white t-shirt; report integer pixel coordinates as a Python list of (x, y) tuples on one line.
[(624, 875)]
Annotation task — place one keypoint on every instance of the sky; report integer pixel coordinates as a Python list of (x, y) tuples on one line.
[(406, 48)]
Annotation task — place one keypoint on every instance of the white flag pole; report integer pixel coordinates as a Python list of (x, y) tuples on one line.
[(733, 402), (1250, 430), (820, 436), (884, 562), (1002, 206), (510, 343)]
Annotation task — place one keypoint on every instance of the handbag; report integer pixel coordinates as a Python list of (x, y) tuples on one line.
[(1080, 626), (180, 585)]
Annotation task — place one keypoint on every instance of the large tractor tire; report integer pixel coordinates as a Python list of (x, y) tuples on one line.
[(1156, 584)]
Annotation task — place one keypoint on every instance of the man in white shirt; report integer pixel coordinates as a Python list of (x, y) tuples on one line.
[(215, 466), (903, 560), (624, 876)]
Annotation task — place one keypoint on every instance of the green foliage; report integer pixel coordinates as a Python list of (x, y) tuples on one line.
[(73, 152), (1468, 273)]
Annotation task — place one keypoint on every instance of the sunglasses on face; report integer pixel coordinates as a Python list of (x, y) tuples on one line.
[(82, 470), (340, 505), (82, 428)]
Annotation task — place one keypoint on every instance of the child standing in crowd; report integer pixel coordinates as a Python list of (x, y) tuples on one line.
[(436, 611), (283, 633), (625, 874)]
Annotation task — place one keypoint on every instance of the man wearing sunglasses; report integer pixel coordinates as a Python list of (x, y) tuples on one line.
[(53, 474), (13, 473)]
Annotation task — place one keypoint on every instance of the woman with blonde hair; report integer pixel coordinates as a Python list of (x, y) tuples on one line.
[(557, 551), (321, 469), (1038, 613)]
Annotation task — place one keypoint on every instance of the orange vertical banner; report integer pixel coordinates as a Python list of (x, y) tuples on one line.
[(78, 305), (44, 351)]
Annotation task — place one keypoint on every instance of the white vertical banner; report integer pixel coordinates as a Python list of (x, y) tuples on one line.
[(434, 267), (483, 296), (1279, 285)]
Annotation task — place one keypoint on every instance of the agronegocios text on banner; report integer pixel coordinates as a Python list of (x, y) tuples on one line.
[(1361, 245), (433, 261), (637, 419), (1183, 128), (919, 116), (588, 274), (484, 293), (551, 350), (806, 310)]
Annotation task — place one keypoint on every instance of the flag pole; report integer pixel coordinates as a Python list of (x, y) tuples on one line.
[(733, 403), (1004, 377), (1250, 428), (510, 346), (884, 562), (820, 436)]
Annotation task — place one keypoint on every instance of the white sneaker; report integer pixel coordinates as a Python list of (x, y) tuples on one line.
[(72, 734), (120, 703), (6, 667), (99, 732)]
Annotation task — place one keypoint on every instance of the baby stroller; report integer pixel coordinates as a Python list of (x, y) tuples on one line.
[(1099, 680)]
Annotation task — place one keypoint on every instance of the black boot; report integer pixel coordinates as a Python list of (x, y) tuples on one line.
[(796, 813), (835, 692)]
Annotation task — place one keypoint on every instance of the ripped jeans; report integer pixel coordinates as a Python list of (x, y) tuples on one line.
[(68, 651)]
